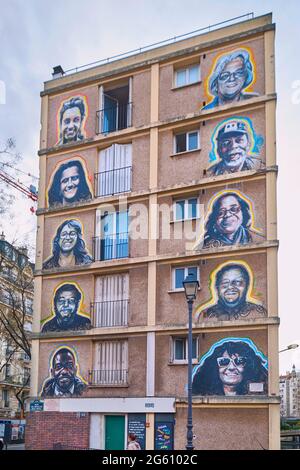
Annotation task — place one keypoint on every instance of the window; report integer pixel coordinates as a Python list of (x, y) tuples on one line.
[(111, 304), (110, 363), (185, 209), (179, 353), (115, 165), (115, 108), (179, 274), (5, 398), (187, 75), (186, 142), (113, 240)]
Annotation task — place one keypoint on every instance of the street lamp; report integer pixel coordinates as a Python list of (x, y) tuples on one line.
[(190, 285), (290, 346)]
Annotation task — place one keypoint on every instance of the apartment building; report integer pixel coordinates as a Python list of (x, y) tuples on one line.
[(289, 388), (16, 310), (153, 166)]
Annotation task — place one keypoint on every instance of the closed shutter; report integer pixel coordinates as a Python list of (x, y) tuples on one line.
[(111, 362), (114, 170), (111, 300)]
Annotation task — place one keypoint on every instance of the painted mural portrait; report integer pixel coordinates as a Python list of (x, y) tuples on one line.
[(231, 286), (71, 120), (64, 380), (231, 76), (230, 368), (229, 221), (68, 246), (69, 184), (235, 147), (66, 310)]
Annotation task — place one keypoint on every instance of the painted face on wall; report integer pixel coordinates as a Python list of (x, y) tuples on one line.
[(71, 124), (66, 306), (233, 150), (69, 183), (64, 370), (232, 287), (68, 238), (231, 368), (231, 80), (229, 216)]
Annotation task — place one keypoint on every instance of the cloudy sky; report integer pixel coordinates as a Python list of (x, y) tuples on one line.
[(38, 34)]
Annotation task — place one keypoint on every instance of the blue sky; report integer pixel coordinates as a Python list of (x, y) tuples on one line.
[(38, 34)]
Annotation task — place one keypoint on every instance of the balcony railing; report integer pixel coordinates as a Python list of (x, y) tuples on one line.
[(113, 246), (110, 313), (114, 118), (108, 377), (113, 181)]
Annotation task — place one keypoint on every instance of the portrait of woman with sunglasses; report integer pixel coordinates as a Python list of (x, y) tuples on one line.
[(229, 222), (229, 368)]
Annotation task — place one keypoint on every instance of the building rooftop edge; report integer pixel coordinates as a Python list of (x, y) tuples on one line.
[(262, 23)]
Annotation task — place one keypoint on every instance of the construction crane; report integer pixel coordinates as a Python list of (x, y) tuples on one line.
[(29, 191)]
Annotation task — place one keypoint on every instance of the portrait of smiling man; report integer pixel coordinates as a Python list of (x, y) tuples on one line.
[(66, 304), (233, 146), (71, 116), (231, 287), (64, 380)]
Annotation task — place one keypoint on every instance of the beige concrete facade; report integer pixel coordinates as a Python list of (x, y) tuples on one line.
[(160, 177)]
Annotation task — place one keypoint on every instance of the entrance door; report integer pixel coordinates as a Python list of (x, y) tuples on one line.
[(114, 432)]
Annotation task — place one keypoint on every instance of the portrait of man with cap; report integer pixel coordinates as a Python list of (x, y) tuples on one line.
[(233, 149)]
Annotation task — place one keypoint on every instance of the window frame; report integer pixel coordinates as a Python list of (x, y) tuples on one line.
[(187, 133), (186, 209), (173, 360), (181, 289), (187, 75)]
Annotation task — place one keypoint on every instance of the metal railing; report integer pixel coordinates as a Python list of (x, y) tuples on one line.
[(113, 181), (113, 246), (114, 118), (110, 313), (165, 42), (108, 377)]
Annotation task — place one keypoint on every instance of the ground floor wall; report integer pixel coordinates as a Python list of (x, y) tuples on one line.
[(215, 427)]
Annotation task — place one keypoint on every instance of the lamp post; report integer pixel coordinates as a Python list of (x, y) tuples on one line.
[(190, 285), (290, 346)]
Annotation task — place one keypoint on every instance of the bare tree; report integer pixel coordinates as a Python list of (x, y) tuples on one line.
[(8, 158), (16, 292)]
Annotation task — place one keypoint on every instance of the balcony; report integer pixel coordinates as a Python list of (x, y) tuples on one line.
[(110, 313), (114, 118), (113, 246), (108, 377), (113, 182)]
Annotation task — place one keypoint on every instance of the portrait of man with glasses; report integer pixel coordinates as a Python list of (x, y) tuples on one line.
[(229, 221), (66, 315), (232, 74), (233, 366), (231, 285), (64, 378), (68, 246)]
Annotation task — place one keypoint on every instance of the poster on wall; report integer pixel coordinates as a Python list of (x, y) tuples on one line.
[(164, 436), (231, 78), (231, 294), (231, 367), (64, 376), (235, 146), (137, 426), (67, 311)]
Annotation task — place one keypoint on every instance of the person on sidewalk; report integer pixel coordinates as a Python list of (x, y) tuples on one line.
[(133, 443)]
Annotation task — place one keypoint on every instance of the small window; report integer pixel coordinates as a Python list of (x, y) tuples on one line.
[(187, 141), (187, 75), (179, 274), (180, 349), (186, 209)]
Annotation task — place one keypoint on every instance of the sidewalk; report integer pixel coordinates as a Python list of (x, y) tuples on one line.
[(16, 446)]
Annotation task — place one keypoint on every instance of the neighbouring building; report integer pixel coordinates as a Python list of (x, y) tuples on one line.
[(153, 166), (290, 394), (16, 311)]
